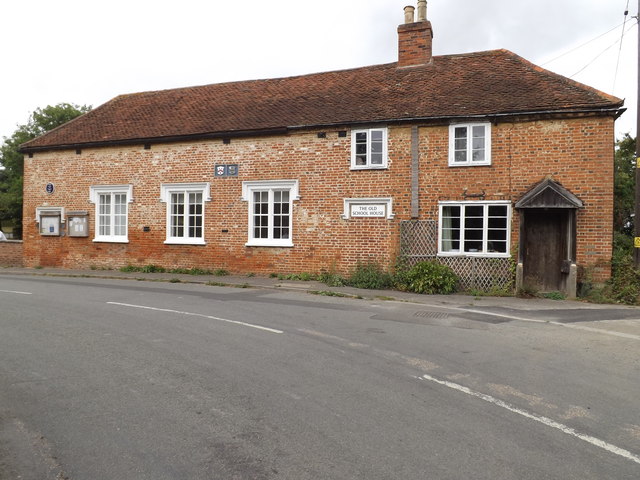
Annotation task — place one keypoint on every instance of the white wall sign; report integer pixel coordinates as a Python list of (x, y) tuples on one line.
[(368, 208)]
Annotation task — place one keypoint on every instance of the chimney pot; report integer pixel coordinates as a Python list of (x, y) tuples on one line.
[(422, 10), (408, 14)]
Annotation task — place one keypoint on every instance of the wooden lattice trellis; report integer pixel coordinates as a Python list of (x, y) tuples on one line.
[(419, 242)]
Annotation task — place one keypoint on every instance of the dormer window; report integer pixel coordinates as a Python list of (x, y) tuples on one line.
[(369, 148), (469, 144)]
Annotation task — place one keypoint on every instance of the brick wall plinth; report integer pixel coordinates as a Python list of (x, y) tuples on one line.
[(11, 253)]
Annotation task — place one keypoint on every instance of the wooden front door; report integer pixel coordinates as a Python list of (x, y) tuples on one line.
[(545, 244)]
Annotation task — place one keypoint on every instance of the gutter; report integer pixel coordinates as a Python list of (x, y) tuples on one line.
[(156, 140)]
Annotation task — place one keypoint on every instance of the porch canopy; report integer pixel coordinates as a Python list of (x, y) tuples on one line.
[(549, 194)]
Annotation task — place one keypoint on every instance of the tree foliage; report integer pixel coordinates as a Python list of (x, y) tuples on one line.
[(625, 184), (41, 121)]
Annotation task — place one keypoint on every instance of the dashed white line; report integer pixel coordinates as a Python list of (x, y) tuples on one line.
[(538, 418), (17, 293), (226, 320)]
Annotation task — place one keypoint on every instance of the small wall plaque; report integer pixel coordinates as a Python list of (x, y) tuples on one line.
[(226, 170)]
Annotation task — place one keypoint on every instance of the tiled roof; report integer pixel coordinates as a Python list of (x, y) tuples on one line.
[(490, 83)]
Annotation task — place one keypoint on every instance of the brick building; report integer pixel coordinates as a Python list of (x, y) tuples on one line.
[(479, 160)]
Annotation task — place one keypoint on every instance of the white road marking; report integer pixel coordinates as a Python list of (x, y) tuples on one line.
[(550, 322), (560, 324), (236, 322), (538, 418), (17, 293)]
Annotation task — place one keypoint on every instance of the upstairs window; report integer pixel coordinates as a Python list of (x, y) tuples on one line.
[(470, 144), (474, 228), (185, 212), (369, 148), (112, 216)]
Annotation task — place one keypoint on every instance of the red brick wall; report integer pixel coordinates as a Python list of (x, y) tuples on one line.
[(577, 153), (11, 253), (414, 44), (322, 239)]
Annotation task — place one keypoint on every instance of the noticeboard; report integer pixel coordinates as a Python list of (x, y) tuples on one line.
[(78, 226), (50, 225)]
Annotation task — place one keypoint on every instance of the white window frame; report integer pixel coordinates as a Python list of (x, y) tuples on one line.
[(166, 190), (469, 148), (248, 189), (385, 152), (95, 191), (484, 252)]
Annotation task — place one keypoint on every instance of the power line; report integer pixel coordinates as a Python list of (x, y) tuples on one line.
[(615, 76), (582, 45), (600, 54)]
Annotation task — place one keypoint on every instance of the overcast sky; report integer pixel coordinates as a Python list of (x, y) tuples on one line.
[(87, 52)]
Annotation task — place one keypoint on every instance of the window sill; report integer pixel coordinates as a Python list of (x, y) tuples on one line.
[(174, 241), (271, 244), (469, 164), (111, 240), (474, 254), (368, 167)]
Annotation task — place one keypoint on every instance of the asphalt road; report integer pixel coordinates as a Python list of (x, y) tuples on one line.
[(113, 379)]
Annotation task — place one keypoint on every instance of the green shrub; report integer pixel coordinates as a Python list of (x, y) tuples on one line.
[(427, 277), (331, 279), (145, 269), (152, 269), (554, 295), (624, 284), (191, 271), (370, 275)]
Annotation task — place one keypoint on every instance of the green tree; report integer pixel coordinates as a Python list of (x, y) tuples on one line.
[(625, 184), (41, 121)]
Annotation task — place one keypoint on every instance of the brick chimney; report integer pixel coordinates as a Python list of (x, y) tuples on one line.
[(415, 38)]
